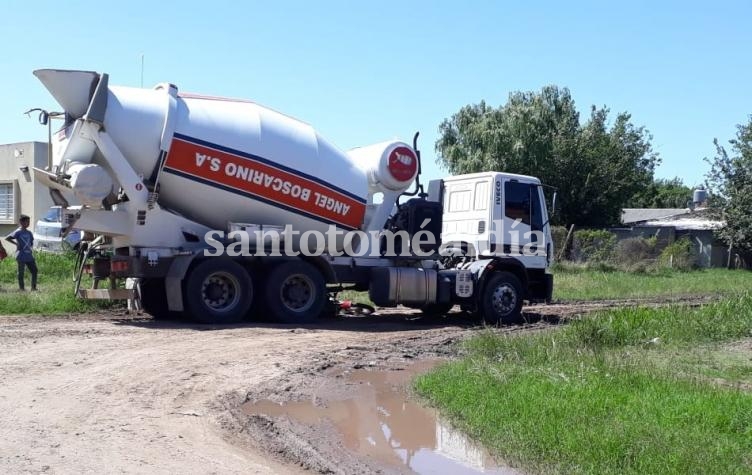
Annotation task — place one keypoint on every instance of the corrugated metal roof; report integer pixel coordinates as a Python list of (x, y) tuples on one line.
[(680, 219), (639, 215), (686, 224)]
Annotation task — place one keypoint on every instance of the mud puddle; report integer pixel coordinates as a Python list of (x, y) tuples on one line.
[(376, 419)]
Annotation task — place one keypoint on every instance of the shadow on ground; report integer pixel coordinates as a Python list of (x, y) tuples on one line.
[(391, 320)]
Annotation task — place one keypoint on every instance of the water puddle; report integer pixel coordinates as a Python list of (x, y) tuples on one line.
[(377, 420)]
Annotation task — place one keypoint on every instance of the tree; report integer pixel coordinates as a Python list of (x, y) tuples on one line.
[(730, 184), (596, 168), (663, 193)]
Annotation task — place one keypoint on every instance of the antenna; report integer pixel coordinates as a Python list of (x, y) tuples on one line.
[(142, 69)]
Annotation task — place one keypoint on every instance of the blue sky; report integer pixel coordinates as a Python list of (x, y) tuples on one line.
[(363, 72)]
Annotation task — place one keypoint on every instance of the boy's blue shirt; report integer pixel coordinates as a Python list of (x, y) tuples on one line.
[(24, 244)]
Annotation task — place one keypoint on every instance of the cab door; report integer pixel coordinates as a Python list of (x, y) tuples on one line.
[(523, 220)]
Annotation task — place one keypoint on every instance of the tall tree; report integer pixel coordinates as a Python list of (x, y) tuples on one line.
[(730, 183), (596, 167), (663, 193)]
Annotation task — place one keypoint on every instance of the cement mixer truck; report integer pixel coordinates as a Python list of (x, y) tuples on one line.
[(206, 206)]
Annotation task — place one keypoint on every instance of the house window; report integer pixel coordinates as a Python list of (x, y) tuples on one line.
[(7, 202)]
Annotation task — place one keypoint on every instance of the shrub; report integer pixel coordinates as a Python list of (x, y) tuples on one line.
[(635, 249), (636, 254), (558, 235), (595, 245), (679, 255), (645, 266)]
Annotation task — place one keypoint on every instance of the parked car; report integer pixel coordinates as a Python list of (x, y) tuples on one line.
[(50, 232)]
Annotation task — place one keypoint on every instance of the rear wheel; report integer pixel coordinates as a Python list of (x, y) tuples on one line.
[(501, 301), (295, 292), (218, 291)]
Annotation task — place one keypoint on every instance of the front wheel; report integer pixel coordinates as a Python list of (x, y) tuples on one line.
[(501, 301), (296, 292), (218, 291)]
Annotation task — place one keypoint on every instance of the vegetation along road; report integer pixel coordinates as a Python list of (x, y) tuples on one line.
[(101, 390)]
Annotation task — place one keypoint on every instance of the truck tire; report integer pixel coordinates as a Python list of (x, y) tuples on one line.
[(218, 291), (501, 301), (295, 292), (154, 298)]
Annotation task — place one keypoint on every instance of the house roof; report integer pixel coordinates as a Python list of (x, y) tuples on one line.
[(640, 215), (686, 223), (680, 219), (699, 219)]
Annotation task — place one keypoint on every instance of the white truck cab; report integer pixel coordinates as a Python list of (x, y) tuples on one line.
[(498, 215)]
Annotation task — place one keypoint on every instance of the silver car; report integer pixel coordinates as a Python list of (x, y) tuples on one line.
[(50, 233)]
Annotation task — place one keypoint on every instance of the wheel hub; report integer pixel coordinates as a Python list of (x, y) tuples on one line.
[(220, 291), (504, 299), (297, 292)]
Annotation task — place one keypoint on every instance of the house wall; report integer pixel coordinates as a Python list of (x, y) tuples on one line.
[(664, 235), (710, 251), (30, 198), (719, 255), (703, 245)]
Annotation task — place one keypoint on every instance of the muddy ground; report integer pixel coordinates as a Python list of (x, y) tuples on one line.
[(127, 394)]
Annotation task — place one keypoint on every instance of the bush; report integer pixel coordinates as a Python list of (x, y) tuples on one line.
[(558, 235), (635, 249), (636, 254), (645, 266), (679, 255), (594, 245)]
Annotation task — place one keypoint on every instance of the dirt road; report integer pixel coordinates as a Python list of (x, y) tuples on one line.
[(131, 395), (108, 394)]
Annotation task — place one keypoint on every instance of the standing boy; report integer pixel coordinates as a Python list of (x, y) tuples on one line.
[(24, 241)]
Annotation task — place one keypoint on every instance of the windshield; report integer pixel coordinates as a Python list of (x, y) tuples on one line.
[(53, 216)]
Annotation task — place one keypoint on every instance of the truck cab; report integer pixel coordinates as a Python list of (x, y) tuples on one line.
[(498, 215)]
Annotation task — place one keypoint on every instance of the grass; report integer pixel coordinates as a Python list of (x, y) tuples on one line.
[(625, 391), (572, 283), (55, 282)]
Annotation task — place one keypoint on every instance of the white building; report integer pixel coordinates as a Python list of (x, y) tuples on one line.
[(19, 192)]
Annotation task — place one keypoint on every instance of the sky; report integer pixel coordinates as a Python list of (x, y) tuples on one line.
[(365, 72)]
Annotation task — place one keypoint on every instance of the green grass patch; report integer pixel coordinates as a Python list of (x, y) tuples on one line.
[(727, 365), (615, 392), (572, 283), (55, 283), (355, 297)]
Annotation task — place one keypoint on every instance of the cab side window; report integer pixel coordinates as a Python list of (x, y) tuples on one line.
[(522, 201), (517, 201)]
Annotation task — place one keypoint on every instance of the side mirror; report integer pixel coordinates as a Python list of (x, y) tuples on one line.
[(553, 206), (552, 211)]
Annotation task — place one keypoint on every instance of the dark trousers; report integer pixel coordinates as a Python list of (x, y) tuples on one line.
[(32, 265)]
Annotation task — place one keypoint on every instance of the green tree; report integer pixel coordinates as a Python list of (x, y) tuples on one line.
[(596, 166), (662, 193), (730, 184)]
